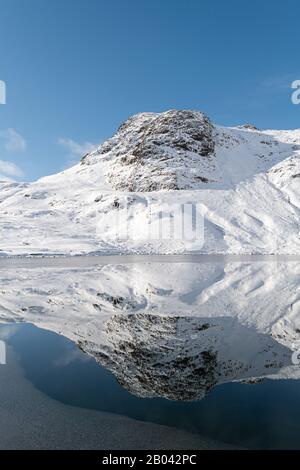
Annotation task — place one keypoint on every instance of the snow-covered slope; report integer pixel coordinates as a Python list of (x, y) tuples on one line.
[(160, 337), (244, 182)]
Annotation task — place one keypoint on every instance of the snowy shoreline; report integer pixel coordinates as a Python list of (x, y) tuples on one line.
[(78, 261)]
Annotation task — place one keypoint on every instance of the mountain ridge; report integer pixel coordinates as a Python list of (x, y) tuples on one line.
[(246, 180)]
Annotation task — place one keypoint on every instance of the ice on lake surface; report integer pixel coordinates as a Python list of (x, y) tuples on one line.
[(207, 350)]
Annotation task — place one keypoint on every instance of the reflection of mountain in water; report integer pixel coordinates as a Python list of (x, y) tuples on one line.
[(167, 329), (182, 358)]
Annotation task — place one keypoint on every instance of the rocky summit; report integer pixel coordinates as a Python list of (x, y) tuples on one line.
[(159, 151)]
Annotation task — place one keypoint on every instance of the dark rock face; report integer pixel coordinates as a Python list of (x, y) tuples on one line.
[(183, 358), (169, 365), (160, 151), (183, 131)]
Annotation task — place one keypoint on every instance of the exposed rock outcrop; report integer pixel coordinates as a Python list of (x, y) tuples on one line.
[(159, 151)]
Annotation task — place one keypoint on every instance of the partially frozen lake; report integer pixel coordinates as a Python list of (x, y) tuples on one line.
[(89, 261), (184, 351)]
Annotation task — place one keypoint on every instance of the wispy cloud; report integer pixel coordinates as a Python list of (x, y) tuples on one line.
[(12, 140), (279, 84), (10, 169), (75, 150)]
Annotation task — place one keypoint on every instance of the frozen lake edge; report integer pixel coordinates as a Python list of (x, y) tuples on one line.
[(89, 261)]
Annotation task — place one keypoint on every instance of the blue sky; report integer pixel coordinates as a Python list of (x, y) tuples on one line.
[(75, 69)]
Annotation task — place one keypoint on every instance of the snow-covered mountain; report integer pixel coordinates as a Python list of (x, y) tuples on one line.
[(244, 181), (222, 322)]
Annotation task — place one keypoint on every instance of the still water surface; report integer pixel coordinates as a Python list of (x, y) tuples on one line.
[(203, 348)]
